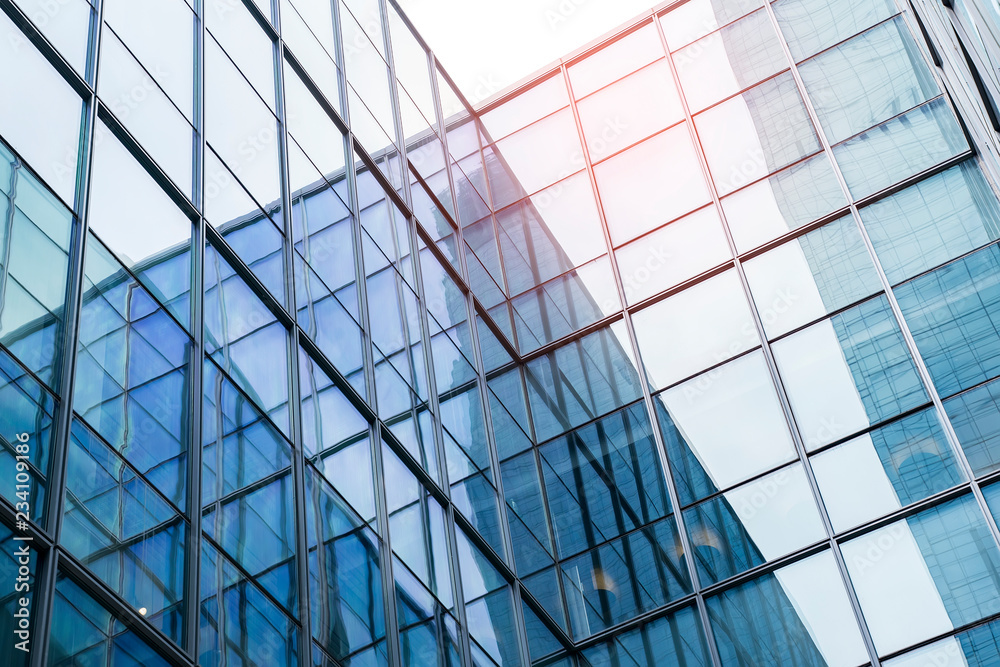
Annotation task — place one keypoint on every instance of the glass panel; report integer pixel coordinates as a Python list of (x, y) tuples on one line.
[(630, 110), (614, 61), (934, 221), (44, 99), (694, 19), (752, 135), (730, 60), (18, 565), (34, 240), (677, 639), (146, 112), (541, 100), (428, 635), (788, 200), (238, 328), (241, 37), (925, 575), (650, 184), (810, 26), (313, 129), (83, 632), (694, 330), (887, 469), (603, 481), (816, 274), (306, 35), (131, 374), (868, 373), (850, 95), (798, 615), (26, 415), (672, 254), (953, 314), (348, 610), (978, 647), (580, 381), (66, 24), (554, 231), (239, 624), (753, 524), (975, 415), (124, 532), (161, 35), (904, 146), (624, 578), (723, 427), (121, 192), (239, 126), (543, 153)]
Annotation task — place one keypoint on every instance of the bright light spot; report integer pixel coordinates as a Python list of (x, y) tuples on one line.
[(142, 610)]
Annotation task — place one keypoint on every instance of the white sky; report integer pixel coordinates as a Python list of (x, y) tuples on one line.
[(488, 45)]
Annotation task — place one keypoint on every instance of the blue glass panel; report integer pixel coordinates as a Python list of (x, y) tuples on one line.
[(580, 381), (934, 221), (902, 147), (348, 611), (604, 480), (925, 575), (975, 415), (799, 615), (85, 633), (26, 415), (978, 647), (810, 26), (624, 578), (238, 623), (124, 531), (541, 641), (870, 376), (526, 514), (20, 599), (245, 339), (34, 242), (131, 373), (428, 634), (677, 639), (954, 314)]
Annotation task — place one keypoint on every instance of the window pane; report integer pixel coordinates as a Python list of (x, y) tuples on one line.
[(630, 110), (35, 243), (614, 61), (730, 60), (851, 94), (887, 469), (978, 647), (753, 524), (672, 254), (238, 33), (756, 133), (799, 615), (695, 329), (543, 153), (933, 221), (122, 192), (953, 314), (904, 146), (813, 25), (867, 370), (925, 575), (699, 17), (66, 24), (527, 107), (723, 427), (650, 184), (677, 639), (44, 99), (788, 200), (975, 415), (818, 273)]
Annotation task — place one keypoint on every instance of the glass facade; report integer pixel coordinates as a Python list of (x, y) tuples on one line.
[(685, 352)]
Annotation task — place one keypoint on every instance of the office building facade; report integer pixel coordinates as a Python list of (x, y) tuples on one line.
[(684, 352)]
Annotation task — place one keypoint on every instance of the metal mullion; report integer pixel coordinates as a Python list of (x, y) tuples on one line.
[(292, 361), (63, 419)]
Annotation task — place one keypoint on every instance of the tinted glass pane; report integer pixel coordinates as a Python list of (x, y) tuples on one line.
[(975, 415), (616, 60), (925, 575), (933, 221), (810, 26), (799, 615), (886, 469), (952, 313), (699, 17), (867, 370), (977, 647), (818, 273), (676, 639)]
